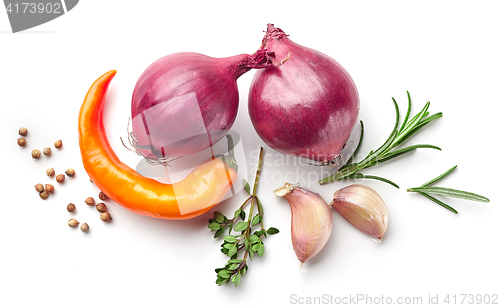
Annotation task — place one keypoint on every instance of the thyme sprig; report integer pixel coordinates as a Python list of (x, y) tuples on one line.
[(247, 241), (388, 150), (426, 190)]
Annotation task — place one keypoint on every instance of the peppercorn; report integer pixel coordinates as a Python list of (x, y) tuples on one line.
[(44, 195), (58, 144), (47, 151), (23, 131), (35, 153), (70, 172), (101, 207), (49, 188), (39, 187), (73, 223), (60, 178), (50, 172), (90, 201), (84, 227), (102, 196), (105, 216), (71, 207), (21, 142)]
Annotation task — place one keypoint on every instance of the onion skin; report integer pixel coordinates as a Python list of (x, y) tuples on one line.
[(308, 106), (195, 99)]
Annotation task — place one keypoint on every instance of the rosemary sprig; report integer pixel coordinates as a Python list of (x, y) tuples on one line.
[(246, 240), (425, 190), (388, 150)]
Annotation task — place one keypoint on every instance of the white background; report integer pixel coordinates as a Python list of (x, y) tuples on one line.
[(445, 52)]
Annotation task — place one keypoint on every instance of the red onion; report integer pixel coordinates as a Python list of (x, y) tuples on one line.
[(306, 107), (185, 102)]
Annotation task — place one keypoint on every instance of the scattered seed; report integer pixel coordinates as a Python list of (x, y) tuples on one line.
[(71, 207), (60, 178), (49, 188), (58, 144), (101, 207), (70, 172), (44, 195), (21, 142), (47, 151), (39, 187), (35, 153), (50, 172), (90, 201), (84, 227), (102, 196), (105, 216), (73, 223), (23, 131)]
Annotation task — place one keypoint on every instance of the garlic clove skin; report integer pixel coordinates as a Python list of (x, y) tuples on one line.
[(362, 207), (312, 220)]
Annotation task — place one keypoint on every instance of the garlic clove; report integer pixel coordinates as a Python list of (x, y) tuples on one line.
[(311, 220), (362, 207)]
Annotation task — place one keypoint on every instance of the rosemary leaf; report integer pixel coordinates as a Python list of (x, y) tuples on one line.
[(373, 177), (439, 177), (364, 176), (448, 192), (407, 111), (446, 206), (397, 153)]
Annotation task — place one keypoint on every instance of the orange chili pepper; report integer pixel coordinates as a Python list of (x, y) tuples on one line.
[(200, 191)]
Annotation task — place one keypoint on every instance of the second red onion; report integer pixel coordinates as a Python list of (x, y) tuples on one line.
[(306, 107)]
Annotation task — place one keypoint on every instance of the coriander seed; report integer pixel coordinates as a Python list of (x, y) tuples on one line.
[(23, 131), (71, 207), (58, 144), (47, 151), (21, 142), (70, 172), (105, 216), (90, 201), (60, 178), (101, 207), (84, 227), (39, 187), (44, 195), (50, 172), (49, 188), (35, 153), (102, 196), (73, 223)]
